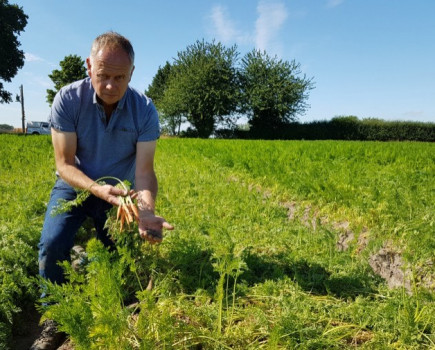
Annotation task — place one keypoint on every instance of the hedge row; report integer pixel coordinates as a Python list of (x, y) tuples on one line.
[(342, 128)]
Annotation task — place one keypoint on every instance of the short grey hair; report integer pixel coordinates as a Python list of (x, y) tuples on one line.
[(112, 40)]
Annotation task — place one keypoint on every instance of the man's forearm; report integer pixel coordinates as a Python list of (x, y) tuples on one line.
[(75, 177), (146, 187), (78, 179)]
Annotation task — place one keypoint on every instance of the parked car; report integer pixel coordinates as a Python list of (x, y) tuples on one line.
[(38, 128)]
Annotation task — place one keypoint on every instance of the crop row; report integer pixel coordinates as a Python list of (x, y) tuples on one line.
[(386, 187)]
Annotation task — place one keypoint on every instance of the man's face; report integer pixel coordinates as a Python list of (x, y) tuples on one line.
[(110, 72)]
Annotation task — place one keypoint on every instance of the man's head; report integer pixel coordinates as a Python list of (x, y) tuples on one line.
[(110, 66)]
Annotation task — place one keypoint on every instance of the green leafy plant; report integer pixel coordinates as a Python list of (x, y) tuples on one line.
[(228, 262), (90, 308)]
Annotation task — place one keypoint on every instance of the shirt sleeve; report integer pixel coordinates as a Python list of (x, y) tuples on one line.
[(62, 112), (150, 126)]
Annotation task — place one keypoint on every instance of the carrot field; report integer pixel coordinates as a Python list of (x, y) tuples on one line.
[(277, 245)]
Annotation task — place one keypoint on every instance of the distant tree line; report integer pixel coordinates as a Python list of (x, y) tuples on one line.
[(341, 128), (205, 89), (6, 127)]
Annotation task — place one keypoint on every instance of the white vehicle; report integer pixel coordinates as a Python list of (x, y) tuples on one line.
[(38, 128)]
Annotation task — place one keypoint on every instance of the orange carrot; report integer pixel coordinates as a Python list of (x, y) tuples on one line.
[(128, 214), (122, 222), (135, 211), (118, 213)]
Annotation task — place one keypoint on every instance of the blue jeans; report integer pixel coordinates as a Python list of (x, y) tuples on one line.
[(58, 232)]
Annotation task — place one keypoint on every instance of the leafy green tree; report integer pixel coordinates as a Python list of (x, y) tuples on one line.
[(72, 69), (156, 90), (12, 22), (272, 92), (203, 86)]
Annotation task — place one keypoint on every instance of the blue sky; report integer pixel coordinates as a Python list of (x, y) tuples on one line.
[(369, 58)]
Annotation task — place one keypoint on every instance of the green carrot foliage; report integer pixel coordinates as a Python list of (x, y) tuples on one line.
[(254, 260)]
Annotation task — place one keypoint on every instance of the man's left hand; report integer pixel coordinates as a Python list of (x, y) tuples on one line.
[(151, 227)]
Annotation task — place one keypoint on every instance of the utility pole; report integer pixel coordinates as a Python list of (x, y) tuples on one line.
[(22, 109)]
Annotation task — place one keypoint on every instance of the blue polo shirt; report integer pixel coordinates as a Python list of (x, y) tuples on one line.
[(105, 149)]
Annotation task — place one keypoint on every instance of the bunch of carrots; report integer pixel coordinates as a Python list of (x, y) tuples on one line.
[(127, 211)]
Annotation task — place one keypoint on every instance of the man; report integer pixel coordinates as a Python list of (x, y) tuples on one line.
[(100, 127)]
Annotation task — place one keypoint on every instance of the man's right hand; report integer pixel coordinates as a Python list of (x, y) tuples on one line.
[(108, 193)]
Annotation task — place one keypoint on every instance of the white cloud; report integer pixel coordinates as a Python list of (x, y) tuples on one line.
[(271, 17), (30, 57), (225, 28), (334, 3), (413, 114), (223, 25), (37, 80)]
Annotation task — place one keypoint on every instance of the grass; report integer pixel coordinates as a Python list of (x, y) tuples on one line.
[(236, 273)]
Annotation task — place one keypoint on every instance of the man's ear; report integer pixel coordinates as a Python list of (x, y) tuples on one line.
[(89, 65), (131, 74)]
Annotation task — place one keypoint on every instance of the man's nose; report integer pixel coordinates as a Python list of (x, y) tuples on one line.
[(110, 84)]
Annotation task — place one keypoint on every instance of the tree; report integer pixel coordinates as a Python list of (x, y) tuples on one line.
[(12, 22), (171, 124), (72, 69), (272, 94), (202, 86), (157, 88)]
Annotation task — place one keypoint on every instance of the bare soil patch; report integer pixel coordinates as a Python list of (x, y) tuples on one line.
[(27, 329)]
